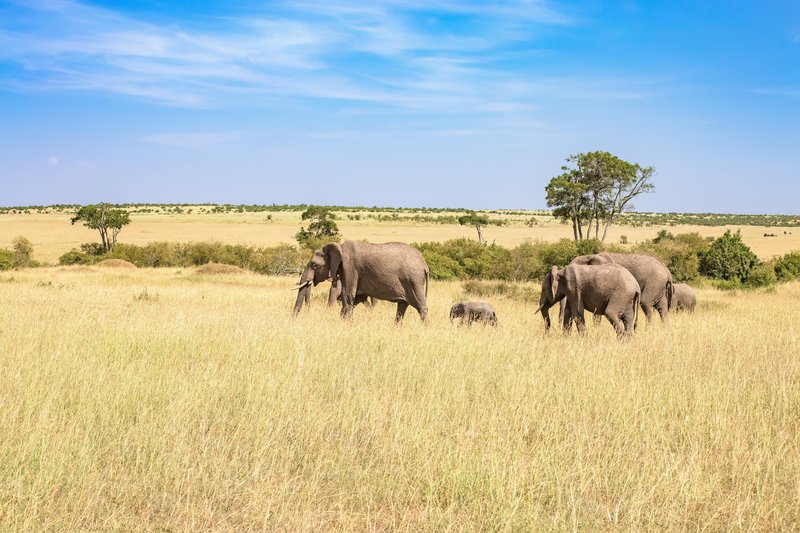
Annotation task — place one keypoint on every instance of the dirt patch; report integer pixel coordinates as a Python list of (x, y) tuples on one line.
[(116, 263), (219, 268)]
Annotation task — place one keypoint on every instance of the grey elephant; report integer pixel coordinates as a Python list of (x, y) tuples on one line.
[(653, 277), (470, 311), (608, 290), (335, 295), (393, 271), (685, 298)]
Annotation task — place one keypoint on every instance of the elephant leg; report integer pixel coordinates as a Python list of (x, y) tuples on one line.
[(629, 319), (401, 311), (334, 294), (648, 311), (662, 308), (566, 317), (580, 322), (616, 323)]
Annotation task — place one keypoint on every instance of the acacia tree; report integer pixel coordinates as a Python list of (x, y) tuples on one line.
[(322, 228), (567, 195), (597, 189), (106, 219), (474, 219)]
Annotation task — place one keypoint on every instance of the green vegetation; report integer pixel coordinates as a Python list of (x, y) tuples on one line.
[(321, 230), (728, 258), (597, 189), (281, 259), (104, 218), (20, 256)]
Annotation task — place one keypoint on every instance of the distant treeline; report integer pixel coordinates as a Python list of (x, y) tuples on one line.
[(423, 215)]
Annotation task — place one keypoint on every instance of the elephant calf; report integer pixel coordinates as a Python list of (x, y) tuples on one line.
[(470, 311), (684, 298)]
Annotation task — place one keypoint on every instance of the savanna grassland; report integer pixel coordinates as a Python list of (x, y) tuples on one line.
[(52, 235), (165, 400)]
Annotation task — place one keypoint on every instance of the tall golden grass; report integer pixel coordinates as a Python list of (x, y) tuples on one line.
[(149, 400)]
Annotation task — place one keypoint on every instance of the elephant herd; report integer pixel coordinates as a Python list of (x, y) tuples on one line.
[(614, 285)]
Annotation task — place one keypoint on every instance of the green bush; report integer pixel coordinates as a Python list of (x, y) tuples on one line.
[(728, 258), (6, 259), (787, 268), (762, 275), (23, 252), (76, 257)]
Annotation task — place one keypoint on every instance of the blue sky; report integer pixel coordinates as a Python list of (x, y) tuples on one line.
[(399, 103)]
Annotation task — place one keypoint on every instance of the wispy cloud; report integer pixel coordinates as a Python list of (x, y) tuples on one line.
[(787, 92), (401, 54), (192, 139)]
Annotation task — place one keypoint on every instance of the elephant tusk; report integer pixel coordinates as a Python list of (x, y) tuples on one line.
[(299, 286)]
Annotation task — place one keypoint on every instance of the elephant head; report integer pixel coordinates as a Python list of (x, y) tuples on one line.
[(552, 292), (458, 310), (324, 264)]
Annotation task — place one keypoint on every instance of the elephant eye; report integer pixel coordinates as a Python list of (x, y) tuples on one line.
[(314, 266)]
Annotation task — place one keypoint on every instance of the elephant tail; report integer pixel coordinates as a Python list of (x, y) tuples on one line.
[(427, 275), (636, 298), (670, 293)]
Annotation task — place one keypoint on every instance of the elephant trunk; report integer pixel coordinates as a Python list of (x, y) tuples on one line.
[(545, 309), (303, 297)]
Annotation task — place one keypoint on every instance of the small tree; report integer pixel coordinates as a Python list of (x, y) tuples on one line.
[(321, 230), (106, 219), (474, 219), (23, 250), (728, 258)]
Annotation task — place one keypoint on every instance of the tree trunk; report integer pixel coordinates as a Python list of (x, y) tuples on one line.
[(480, 237), (605, 230), (574, 228)]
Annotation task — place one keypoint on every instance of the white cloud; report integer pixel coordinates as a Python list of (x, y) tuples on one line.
[(305, 51), (192, 139), (52, 161)]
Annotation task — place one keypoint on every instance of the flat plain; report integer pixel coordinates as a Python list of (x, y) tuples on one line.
[(163, 399), (52, 234)]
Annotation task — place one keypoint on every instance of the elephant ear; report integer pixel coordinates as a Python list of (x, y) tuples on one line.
[(333, 258), (553, 282)]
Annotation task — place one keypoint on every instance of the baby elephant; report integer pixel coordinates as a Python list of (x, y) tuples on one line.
[(684, 299), (469, 311)]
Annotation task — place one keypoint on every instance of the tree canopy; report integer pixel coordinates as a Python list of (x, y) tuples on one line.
[(474, 219), (321, 230), (593, 189), (104, 218)]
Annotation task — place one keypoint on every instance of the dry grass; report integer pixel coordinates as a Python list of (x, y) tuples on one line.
[(218, 268), (206, 406), (52, 234), (116, 263)]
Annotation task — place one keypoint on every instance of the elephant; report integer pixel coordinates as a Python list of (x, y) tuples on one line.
[(684, 299), (653, 276), (609, 290), (335, 295), (470, 311), (392, 271)]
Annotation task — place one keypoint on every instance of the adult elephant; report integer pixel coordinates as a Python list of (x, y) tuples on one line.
[(685, 298), (608, 290), (393, 271), (653, 276)]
